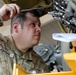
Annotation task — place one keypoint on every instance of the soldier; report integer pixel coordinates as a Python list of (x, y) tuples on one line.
[(18, 47)]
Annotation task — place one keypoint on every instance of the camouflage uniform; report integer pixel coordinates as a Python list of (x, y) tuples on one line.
[(9, 55)]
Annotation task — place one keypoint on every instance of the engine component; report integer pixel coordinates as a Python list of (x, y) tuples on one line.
[(65, 12), (50, 55)]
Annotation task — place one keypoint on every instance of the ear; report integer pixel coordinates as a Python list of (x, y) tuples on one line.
[(16, 27)]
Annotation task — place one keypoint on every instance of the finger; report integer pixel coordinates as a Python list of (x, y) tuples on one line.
[(10, 11), (16, 7)]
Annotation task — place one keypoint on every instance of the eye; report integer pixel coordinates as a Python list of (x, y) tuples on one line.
[(33, 24)]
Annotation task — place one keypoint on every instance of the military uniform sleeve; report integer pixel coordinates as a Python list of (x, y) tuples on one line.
[(5, 65)]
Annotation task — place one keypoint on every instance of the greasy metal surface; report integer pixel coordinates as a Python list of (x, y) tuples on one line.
[(26, 3)]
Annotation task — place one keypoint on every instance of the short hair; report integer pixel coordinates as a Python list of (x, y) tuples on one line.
[(21, 17)]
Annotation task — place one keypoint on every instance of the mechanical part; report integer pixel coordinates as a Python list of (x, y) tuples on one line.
[(65, 12), (51, 55), (42, 10)]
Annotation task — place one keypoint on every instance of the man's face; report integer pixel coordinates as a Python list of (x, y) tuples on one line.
[(30, 34)]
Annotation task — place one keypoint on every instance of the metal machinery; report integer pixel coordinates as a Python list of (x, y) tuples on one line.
[(24, 4), (65, 12), (29, 4)]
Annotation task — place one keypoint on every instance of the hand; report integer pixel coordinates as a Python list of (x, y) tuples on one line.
[(8, 11)]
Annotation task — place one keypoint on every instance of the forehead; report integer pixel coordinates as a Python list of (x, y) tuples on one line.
[(31, 17)]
